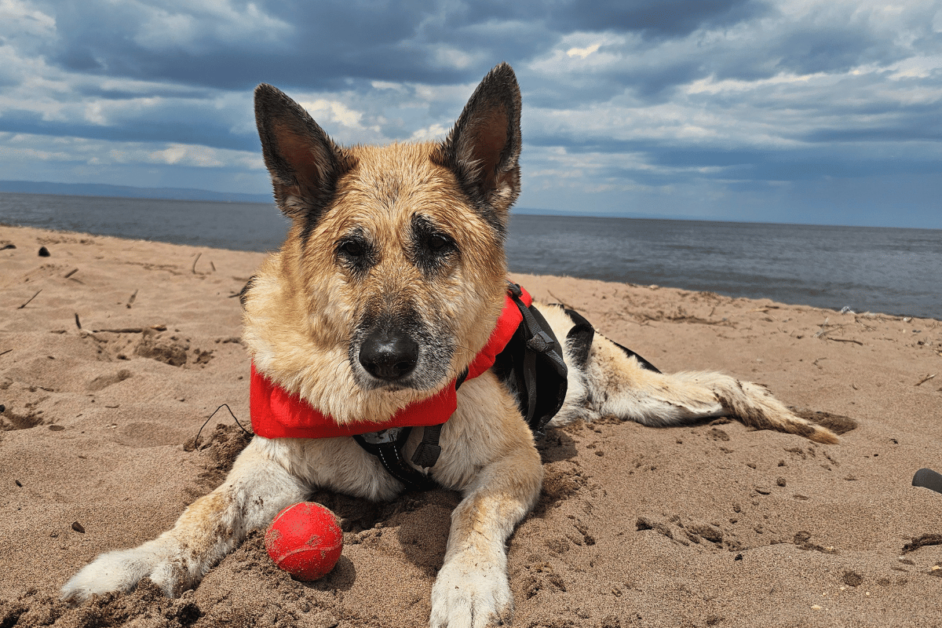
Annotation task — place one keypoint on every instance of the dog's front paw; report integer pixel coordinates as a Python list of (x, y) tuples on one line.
[(122, 570), (465, 595)]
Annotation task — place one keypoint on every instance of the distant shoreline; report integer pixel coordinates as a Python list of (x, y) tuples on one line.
[(95, 190)]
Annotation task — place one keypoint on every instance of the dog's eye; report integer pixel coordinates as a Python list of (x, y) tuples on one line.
[(437, 243), (353, 248)]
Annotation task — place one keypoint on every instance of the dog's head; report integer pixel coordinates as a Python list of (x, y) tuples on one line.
[(396, 252)]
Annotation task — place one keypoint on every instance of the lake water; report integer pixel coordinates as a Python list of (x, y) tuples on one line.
[(893, 271)]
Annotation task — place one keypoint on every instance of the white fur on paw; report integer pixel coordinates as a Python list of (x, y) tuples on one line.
[(470, 597), (120, 571)]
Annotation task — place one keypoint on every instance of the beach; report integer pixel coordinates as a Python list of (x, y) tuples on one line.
[(114, 352)]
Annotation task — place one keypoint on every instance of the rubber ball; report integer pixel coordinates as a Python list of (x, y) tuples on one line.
[(305, 540)]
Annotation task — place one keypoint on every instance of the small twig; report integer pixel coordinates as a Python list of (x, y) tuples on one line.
[(194, 262), (78, 323), (70, 273), (131, 300), (196, 441), (129, 330), (856, 342), (123, 330), (5, 352), (925, 379), (30, 299), (213, 265), (560, 301)]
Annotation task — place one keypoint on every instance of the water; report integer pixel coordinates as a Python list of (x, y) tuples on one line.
[(893, 271), (239, 226)]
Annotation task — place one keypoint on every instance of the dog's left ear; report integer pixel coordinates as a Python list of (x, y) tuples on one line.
[(483, 149)]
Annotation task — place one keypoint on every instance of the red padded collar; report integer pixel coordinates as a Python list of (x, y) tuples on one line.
[(279, 414)]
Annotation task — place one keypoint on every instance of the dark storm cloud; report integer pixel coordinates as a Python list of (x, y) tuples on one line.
[(316, 44), (322, 45), (668, 18), (664, 94)]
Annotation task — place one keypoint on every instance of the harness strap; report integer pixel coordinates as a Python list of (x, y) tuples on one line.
[(428, 451), (539, 340), (387, 446)]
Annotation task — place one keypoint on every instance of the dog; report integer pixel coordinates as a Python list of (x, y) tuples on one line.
[(389, 286)]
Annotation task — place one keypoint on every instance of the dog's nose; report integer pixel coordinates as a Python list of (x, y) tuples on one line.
[(389, 355)]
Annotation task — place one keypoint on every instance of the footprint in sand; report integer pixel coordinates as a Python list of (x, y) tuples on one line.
[(10, 420), (103, 381), (170, 351)]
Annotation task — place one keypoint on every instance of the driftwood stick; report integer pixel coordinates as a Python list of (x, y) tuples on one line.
[(70, 273), (196, 260), (78, 323)]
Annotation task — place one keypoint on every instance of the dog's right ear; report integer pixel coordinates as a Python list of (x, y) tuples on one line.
[(303, 161)]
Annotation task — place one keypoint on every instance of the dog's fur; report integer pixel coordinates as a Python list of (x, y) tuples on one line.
[(407, 240)]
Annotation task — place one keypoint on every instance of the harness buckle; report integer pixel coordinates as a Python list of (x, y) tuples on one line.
[(541, 342), (426, 454), (382, 437)]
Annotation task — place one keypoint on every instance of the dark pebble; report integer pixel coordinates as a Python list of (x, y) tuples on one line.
[(43, 252), (18, 483), (78, 527)]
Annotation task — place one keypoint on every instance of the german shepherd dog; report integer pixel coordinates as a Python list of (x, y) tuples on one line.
[(390, 282)]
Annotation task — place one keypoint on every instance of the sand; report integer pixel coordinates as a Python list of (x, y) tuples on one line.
[(109, 371)]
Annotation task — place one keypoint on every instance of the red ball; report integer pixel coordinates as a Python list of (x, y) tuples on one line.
[(305, 540)]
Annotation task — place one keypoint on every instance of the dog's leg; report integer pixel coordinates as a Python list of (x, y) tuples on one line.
[(610, 383), (491, 456), (212, 526)]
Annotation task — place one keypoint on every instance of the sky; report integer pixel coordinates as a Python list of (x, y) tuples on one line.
[(794, 111)]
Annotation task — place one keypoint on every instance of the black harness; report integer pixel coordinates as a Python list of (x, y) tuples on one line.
[(532, 362)]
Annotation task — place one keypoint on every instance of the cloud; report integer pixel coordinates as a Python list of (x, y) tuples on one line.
[(653, 100), (582, 53)]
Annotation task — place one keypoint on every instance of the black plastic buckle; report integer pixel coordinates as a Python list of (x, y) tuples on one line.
[(541, 342)]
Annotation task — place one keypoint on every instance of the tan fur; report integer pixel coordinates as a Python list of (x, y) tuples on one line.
[(308, 306)]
